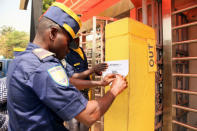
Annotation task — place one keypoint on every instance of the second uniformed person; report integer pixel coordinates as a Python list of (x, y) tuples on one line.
[(78, 60)]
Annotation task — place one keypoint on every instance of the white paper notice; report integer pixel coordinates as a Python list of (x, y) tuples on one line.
[(117, 67)]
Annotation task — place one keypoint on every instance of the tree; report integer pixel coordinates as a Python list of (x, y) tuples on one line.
[(17, 39), (46, 4), (6, 29), (11, 38)]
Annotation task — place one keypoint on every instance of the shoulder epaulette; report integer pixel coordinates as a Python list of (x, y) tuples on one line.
[(63, 61), (42, 53)]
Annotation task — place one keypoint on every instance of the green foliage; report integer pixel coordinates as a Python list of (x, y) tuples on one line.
[(11, 38), (46, 4), (6, 29), (17, 39)]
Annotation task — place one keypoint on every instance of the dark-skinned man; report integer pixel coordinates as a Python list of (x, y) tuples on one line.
[(77, 66), (77, 78), (40, 96)]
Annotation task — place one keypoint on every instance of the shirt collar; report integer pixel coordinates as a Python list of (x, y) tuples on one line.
[(32, 46)]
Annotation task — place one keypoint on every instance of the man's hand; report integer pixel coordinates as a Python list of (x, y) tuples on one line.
[(118, 85), (108, 79), (96, 108), (99, 68)]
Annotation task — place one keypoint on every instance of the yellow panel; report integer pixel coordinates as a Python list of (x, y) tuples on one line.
[(120, 106), (129, 26), (134, 109)]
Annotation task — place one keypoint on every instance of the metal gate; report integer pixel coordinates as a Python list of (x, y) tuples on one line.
[(180, 72)]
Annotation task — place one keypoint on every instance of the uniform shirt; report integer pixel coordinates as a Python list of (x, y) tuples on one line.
[(39, 94), (77, 59)]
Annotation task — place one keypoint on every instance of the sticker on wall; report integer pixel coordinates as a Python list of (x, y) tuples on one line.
[(117, 67), (152, 56)]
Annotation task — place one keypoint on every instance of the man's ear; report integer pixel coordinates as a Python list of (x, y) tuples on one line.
[(53, 33)]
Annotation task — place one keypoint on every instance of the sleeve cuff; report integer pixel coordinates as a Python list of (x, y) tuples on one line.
[(73, 109)]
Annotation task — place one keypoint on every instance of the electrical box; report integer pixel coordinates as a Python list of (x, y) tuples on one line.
[(134, 109)]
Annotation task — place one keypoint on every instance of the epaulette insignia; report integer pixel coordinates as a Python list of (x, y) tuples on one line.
[(76, 64), (42, 53), (58, 74), (63, 63)]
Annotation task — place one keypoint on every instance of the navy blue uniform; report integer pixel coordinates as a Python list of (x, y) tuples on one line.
[(75, 60), (39, 95), (69, 69), (79, 65)]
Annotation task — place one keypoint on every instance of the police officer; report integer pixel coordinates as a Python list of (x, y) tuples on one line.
[(77, 79), (40, 97), (78, 60)]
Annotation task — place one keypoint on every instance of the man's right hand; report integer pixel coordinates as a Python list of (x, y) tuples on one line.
[(118, 85), (99, 68), (96, 108)]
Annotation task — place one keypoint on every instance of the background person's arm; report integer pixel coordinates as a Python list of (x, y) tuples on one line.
[(96, 69), (96, 108), (83, 84)]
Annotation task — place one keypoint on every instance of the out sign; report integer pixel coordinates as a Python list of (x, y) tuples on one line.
[(152, 65)]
